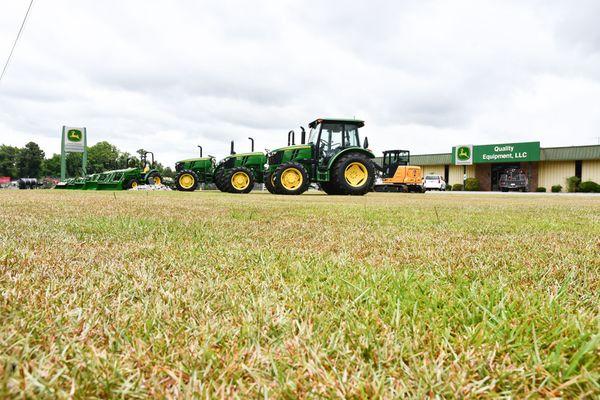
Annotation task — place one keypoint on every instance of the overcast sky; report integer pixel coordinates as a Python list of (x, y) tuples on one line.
[(424, 75)]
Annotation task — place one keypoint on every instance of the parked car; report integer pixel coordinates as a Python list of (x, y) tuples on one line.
[(513, 179), (434, 182)]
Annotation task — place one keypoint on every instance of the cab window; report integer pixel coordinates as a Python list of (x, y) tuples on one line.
[(351, 135), (331, 138)]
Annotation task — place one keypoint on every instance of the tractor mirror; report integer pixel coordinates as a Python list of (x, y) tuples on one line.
[(366, 143)]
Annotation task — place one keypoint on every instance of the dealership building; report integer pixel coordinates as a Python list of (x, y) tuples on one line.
[(543, 166)]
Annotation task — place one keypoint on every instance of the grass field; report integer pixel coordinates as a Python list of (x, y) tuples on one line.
[(135, 294)]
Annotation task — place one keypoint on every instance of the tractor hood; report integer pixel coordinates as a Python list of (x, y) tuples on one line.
[(196, 159), (293, 147)]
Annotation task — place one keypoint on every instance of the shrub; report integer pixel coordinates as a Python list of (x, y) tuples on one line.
[(556, 189), (472, 184), (541, 189), (573, 184), (457, 187), (589, 187)]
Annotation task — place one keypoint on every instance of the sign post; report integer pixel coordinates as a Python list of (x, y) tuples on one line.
[(74, 140)]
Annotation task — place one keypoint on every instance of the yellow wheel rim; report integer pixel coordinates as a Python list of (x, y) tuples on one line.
[(291, 179), (240, 180), (356, 174), (134, 184), (186, 181), (157, 180)]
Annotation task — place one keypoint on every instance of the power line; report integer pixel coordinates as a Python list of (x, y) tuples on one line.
[(16, 40)]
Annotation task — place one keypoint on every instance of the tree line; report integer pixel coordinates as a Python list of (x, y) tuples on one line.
[(31, 162)]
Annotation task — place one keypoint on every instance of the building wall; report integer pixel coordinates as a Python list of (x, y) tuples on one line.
[(555, 173), (483, 172), (456, 173), (433, 170), (590, 170), (531, 169)]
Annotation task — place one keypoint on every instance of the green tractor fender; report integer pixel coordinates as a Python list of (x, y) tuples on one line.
[(148, 174), (360, 150)]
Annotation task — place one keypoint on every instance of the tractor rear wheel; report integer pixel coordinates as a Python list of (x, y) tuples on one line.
[(239, 180), (218, 179), (291, 179), (186, 180), (353, 174), (154, 178), (328, 188), (270, 182)]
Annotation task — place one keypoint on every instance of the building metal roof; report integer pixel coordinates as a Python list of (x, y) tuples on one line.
[(570, 153), (566, 153)]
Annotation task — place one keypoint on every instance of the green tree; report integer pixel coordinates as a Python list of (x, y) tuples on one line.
[(30, 161), (101, 157), (8, 161), (74, 164), (52, 166), (126, 160)]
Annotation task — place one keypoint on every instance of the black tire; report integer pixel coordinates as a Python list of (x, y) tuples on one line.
[(131, 183), (338, 178), (295, 170), (154, 178), (228, 180), (269, 183), (185, 187), (328, 188), (217, 179)]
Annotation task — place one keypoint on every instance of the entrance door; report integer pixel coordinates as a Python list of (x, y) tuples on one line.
[(497, 170)]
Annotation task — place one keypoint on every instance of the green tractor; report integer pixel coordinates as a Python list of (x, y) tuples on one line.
[(236, 173), (333, 158), (193, 171), (120, 179)]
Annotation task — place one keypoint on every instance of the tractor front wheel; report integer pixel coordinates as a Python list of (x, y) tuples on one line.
[(186, 180), (291, 179), (131, 184), (270, 182), (239, 180), (353, 174)]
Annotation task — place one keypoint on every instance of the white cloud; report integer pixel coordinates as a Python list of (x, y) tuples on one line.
[(168, 75)]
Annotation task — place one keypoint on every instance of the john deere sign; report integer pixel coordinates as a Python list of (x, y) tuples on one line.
[(74, 140), (463, 155), (497, 153)]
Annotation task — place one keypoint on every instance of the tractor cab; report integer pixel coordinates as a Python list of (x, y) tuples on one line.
[(328, 137), (392, 159)]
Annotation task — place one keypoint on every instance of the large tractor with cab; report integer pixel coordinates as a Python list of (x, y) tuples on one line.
[(236, 173), (332, 157)]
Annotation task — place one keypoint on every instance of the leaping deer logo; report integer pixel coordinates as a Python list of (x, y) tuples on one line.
[(74, 135), (464, 153)]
